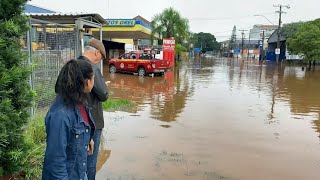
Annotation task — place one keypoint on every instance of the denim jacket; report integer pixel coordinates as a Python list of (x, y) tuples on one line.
[(68, 138)]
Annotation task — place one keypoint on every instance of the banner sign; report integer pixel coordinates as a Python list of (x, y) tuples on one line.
[(168, 44), (121, 22)]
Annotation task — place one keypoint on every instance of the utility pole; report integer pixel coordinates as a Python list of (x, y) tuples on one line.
[(242, 41), (262, 47), (249, 48), (279, 26)]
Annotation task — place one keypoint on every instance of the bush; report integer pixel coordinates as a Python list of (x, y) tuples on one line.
[(16, 96), (35, 136)]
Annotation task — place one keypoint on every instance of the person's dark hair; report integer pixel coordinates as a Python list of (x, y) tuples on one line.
[(71, 81)]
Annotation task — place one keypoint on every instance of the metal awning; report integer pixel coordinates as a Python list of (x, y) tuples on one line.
[(70, 19)]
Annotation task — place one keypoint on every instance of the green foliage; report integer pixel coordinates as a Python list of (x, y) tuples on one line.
[(306, 41), (35, 136), (207, 41), (180, 48), (11, 8), (169, 24), (16, 96), (290, 29), (193, 39), (117, 105)]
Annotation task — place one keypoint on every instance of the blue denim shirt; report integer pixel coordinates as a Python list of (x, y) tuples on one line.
[(68, 138)]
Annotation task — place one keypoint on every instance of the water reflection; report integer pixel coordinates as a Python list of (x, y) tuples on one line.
[(166, 95), (302, 90), (282, 84), (264, 116)]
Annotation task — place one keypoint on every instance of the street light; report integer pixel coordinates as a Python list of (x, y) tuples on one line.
[(264, 17)]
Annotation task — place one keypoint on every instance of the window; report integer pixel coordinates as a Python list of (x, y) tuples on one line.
[(125, 56), (145, 56), (142, 56), (133, 56)]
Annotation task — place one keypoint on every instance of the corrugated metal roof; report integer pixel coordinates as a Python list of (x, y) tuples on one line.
[(68, 17), (58, 14), (28, 8)]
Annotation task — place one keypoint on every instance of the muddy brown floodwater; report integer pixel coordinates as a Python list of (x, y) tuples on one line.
[(214, 119)]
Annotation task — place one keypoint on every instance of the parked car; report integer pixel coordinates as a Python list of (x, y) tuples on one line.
[(139, 62)]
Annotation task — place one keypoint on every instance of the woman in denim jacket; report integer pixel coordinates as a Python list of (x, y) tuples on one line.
[(69, 124)]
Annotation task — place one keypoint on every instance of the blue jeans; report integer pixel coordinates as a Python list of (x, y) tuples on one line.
[(92, 160)]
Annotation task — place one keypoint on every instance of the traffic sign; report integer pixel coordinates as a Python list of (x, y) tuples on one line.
[(277, 51), (237, 51)]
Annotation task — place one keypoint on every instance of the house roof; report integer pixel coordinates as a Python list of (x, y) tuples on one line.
[(140, 18), (40, 13), (29, 9), (274, 37), (266, 26), (68, 18)]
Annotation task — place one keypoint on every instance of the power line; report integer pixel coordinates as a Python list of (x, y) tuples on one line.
[(224, 18), (231, 30)]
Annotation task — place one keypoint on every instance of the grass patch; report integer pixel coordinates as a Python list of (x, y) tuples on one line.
[(35, 136), (117, 105)]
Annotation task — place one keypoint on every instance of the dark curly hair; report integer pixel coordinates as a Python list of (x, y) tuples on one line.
[(71, 81)]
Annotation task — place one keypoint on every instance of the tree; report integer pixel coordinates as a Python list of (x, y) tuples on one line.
[(233, 38), (207, 41), (306, 41), (193, 39), (169, 24), (15, 93), (290, 29), (179, 49)]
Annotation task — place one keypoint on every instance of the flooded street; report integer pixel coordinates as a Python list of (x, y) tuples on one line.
[(214, 119)]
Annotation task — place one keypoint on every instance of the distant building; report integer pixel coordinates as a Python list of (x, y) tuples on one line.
[(251, 44), (250, 47), (256, 33)]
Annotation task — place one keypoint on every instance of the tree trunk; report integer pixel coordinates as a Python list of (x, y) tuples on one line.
[(309, 65)]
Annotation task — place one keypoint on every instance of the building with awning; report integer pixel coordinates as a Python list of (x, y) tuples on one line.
[(77, 23), (122, 35), (63, 34), (118, 35), (135, 31)]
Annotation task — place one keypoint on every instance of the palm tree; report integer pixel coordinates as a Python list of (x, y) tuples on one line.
[(169, 24)]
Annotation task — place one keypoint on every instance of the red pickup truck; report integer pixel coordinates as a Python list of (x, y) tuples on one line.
[(138, 62)]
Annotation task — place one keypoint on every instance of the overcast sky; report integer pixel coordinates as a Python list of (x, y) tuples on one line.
[(213, 16)]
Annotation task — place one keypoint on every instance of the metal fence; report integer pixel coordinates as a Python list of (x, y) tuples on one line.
[(49, 46)]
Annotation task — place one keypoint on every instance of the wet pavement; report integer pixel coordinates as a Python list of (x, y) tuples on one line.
[(214, 119)]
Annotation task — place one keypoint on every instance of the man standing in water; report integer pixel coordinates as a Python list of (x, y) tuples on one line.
[(94, 53)]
